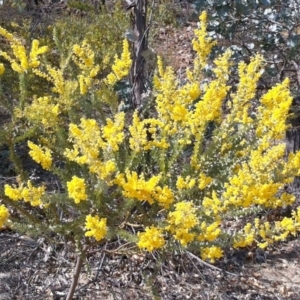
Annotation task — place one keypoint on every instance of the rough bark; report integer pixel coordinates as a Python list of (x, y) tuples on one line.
[(293, 134), (139, 46)]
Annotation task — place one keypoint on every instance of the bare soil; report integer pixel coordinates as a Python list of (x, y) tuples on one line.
[(36, 269)]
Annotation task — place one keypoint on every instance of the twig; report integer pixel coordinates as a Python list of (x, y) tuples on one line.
[(76, 275), (208, 265)]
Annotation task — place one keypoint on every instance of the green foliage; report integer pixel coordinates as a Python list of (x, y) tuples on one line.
[(269, 27), (83, 6), (166, 12)]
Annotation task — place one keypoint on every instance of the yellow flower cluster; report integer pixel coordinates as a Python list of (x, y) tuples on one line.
[(209, 232), (95, 227), (77, 189), (172, 101), (202, 44), (152, 239), (7, 35), (182, 221), (254, 183), (210, 107), (4, 215), (48, 118), (54, 76), (113, 132), (273, 112), (84, 57), (264, 234), (204, 181), (22, 63), (28, 194), (248, 79), (41, 156), (212, 206), (87, 141), (247, 238), (137, 187), (88, 138), (121, 66), (2, 69), (211, 253), (187, 183)]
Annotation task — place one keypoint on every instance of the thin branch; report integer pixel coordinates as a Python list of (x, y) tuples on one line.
[(207, 264), (77, 272)]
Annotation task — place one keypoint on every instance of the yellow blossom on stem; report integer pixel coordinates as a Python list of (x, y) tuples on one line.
[(202, 44), (181, 221), (152, 239), (211, 253), (35, 52), (12, 193), (57, 78), (209, 232), (121, 66), (28, 194), (87, 141), (164, 196), (273, 112), (32, 194), (204, 181), (183, 215), (137, 187), (113, 132), (84, 55), (2, 69), (33, 112), (4, 215), (40, 155), (84, 58), (249, 76), (246, 237), (76, 189), (144, 190), (103, 169), (186, 183), (22, 63), (7, 35), (95, 227)]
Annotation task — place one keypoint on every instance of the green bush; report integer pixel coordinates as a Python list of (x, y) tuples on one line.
[(177, 176)]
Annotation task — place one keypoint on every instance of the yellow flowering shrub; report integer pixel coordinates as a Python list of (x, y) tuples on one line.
[(21, 61), (76, 189), (181, 221), (41, 156), (4, 215), (95, 228), (120, 67), (2, 69), (28, 193), (152, 239), (204, 153)]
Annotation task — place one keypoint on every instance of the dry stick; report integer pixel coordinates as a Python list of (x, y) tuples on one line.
[(77, 271), (208, 265)]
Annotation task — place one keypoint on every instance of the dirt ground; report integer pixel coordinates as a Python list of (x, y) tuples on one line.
[(36, 269)]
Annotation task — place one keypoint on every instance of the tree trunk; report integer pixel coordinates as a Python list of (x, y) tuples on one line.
[(293, 135), (140, 45)]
